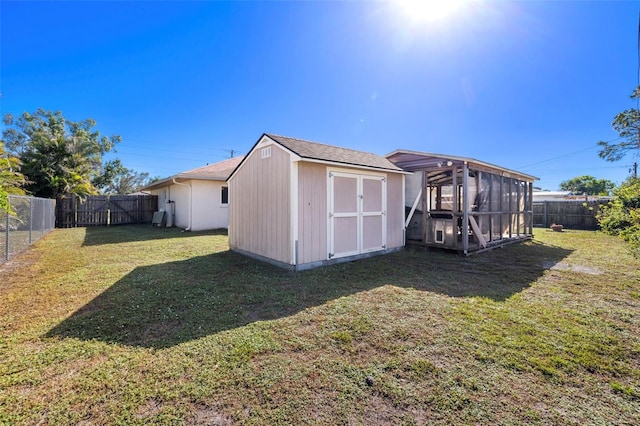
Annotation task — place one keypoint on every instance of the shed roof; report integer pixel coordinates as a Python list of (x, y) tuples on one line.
[(319, 151), (315, 151), (415, 160), (219, 171)]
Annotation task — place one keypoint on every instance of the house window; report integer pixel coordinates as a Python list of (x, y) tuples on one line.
[(224, 195), (266, 152)]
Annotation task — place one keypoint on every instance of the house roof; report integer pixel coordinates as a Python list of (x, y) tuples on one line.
[(315, 151), (415, 160), (219, 171), (216, 171)]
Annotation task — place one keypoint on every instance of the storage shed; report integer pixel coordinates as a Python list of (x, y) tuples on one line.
[(197, 199), (301, 204), (464, 204)]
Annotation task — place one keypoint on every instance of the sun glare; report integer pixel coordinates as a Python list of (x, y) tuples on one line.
[(429, 10)]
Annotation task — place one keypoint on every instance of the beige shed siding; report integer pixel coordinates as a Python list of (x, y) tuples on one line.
[(395, 210), (312, 212), (261, 225)]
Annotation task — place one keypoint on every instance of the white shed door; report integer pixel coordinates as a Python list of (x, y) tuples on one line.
[(357, 216)]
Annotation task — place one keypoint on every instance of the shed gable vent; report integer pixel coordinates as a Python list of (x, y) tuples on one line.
[(266, 152)]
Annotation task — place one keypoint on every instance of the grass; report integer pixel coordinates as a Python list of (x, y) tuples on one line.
[(140, 325)]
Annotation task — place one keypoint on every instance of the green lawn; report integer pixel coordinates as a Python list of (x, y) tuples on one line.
[(141, 325)]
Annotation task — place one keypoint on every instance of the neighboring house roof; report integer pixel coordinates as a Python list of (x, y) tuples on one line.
[(219, 171), (566, 196), (556, 194), (315, 151), (415, 160)]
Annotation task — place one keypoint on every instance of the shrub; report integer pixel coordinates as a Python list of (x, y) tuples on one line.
[(622, 215)]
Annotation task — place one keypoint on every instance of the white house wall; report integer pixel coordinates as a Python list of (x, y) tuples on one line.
[(180, 196), (163, 196), (207, 211), (170, 193)]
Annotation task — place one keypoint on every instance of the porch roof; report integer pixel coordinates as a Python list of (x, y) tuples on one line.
[(413, 161)]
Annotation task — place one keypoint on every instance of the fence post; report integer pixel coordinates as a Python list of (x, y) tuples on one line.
[(30, 221), (42, 209), (6, 241), (58, 213), (74, 209)]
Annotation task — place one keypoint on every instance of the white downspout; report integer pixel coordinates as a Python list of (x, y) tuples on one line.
[(188, 228)]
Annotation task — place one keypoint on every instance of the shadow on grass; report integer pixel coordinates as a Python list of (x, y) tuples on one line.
[(99, 235), (167, 304)]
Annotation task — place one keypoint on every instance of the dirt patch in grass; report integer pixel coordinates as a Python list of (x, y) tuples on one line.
[(148, 409), (565, 266), (205, 415)]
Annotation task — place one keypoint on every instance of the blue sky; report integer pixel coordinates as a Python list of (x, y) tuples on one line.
[(530, 85)]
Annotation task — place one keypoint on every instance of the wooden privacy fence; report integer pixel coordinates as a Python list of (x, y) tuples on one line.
[(105, 210), (572, 214)]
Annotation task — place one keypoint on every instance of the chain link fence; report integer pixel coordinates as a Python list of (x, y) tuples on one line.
[(33, 218)]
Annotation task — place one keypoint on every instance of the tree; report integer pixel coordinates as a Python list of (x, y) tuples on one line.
[(627, 124), (588, 185), (11, 181), (117, 179), (622, 215), (58, 156)]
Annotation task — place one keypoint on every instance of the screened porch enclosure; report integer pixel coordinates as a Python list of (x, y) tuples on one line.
[(464, 204)]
